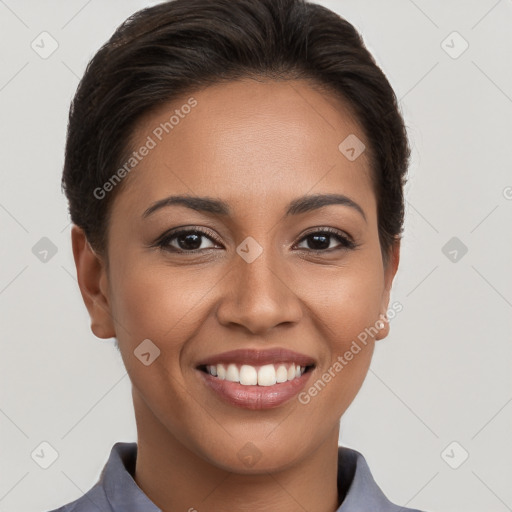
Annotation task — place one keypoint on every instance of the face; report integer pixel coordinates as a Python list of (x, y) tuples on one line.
[(253, 277)]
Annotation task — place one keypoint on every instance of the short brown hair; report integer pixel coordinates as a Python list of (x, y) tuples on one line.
[(179, 46)]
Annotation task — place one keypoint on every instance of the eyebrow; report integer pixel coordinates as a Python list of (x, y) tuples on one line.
[(218, 207)]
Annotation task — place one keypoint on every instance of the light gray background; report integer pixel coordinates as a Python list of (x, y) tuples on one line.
[(444, 372)]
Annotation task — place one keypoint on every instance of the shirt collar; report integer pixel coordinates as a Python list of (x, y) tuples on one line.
[(123, 493), (355, 481)]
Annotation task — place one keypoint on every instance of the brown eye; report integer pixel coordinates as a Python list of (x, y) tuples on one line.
[(186, 241), (320, 241)]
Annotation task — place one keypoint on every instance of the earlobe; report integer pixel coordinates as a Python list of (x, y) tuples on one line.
[(382, 325), (93, 283)]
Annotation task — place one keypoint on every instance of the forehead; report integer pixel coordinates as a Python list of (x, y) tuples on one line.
[(246, 141)]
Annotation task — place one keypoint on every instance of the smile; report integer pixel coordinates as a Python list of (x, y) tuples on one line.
[(249, 375), (256, 379)]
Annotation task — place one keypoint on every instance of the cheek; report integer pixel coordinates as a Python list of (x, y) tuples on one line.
[(346, 314), (346, 301), (346, 308), (163, 305), (157, 302)]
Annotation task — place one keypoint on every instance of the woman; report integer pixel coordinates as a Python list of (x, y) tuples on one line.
[(235, 172)]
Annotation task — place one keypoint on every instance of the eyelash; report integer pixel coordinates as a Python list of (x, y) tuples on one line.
[(163, 241)]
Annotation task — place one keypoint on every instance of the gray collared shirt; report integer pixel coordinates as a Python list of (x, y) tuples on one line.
[(117, 491)]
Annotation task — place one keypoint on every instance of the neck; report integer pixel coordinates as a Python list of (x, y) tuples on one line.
[(176, 478)]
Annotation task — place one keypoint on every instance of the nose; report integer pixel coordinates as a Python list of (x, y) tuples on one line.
[(259, 296)]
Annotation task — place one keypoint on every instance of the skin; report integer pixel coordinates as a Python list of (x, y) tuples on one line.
[(256, 146)]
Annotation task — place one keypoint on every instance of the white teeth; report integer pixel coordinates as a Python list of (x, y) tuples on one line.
[(221, 371), (232, 373), (267, 375), (281, 374), (247, 375)]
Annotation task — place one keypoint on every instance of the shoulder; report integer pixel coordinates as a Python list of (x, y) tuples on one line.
[(359, 488), (92, 501), (113, 477)]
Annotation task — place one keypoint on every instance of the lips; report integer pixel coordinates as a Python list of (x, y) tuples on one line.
[(257, 358), (255, 379)]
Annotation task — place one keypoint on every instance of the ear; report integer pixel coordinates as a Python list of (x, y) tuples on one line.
[(93, 283), (389, 274)]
